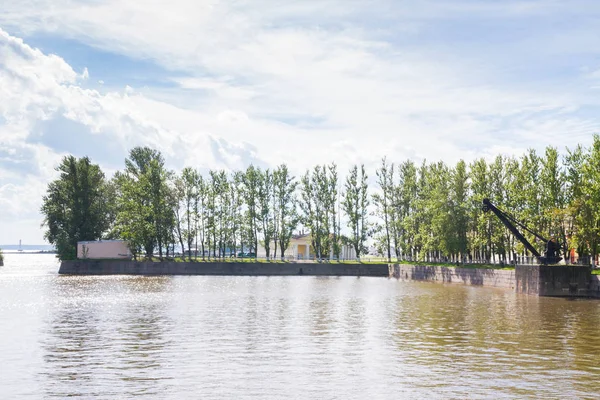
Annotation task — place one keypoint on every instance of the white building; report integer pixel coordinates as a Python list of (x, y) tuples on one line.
[(103, 249)]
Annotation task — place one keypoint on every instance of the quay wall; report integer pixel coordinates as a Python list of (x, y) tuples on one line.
[(469, 276), (595, 286), (554, 280), (128, 267), (530, 280)]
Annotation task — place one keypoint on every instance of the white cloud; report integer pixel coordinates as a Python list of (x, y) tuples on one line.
[(301, 83), (37, 87)]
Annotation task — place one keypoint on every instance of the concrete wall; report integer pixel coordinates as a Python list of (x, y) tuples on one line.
[(554, 280), (595, 286), (118, 267), (468, 276), (103, 249)]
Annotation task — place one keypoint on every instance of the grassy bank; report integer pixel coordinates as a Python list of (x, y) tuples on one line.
[(248, 260), (262, 260), (369, 261)]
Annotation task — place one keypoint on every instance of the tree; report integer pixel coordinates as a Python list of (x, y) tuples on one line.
[(459, 192), (145, 217), (553, 200), (251, 183), (385, 180), (354, 204), (512, 194), (265, 211), (332, 214), (237, 201), (286, 215), (314, 208), (76, 206), (218, 213), (574, 198), (407, 196), (588, 220), (186, 193), (200, 214), (480, 188), (531, 215)]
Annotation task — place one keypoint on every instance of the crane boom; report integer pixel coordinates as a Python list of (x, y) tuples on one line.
[(551, 253)]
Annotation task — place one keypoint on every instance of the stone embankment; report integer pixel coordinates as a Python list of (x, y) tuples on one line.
[(563, 281), (127, 267), (553, 281), (595, 286), (469, 276)]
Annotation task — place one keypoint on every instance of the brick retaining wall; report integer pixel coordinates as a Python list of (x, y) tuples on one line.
[(468, 276), (595, 286), (127, 267)]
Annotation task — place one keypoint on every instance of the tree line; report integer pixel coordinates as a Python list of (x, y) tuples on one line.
[(215, 215), (430, 211)]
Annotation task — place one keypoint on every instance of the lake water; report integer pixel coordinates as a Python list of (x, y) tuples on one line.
[(285, 337)]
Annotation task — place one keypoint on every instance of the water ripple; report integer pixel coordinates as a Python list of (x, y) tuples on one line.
[(286, 337)]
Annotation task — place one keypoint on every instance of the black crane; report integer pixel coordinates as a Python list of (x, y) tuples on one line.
[(552, 248)]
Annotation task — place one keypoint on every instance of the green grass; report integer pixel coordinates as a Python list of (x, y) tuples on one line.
[(354, 262), (596, 271), (247, 260)]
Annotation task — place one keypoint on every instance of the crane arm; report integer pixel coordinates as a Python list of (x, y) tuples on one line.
[(506, 220)]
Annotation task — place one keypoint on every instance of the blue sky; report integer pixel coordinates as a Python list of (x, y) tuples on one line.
[(223, 84)]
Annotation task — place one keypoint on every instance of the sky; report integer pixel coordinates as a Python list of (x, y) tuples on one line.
[(226, 84)]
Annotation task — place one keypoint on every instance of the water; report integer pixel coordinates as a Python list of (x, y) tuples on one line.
[(285, 337)]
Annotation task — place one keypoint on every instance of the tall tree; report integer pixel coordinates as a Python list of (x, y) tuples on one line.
[(186, 191), (284, 188), (354, 204), (385, 180), (575, 201), (237, 202), (76, 207), (332, 209), (200, 214), (314, 205), (480, 234), (251, 184), (589, 218), (145, 218), (265, 212), (407, 205), (459, 192), (553, 200)]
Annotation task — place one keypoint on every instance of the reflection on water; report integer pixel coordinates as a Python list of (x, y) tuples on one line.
[(286, 337), (107, 335)]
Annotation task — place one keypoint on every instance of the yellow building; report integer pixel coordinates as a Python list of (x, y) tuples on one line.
[(300, 248)]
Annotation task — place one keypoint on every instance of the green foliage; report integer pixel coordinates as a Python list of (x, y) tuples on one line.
[(354, 204), (429, 212), (285, 202), (265, 209), (382, 200), (146, 202), (77, 206), (251, 182)]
